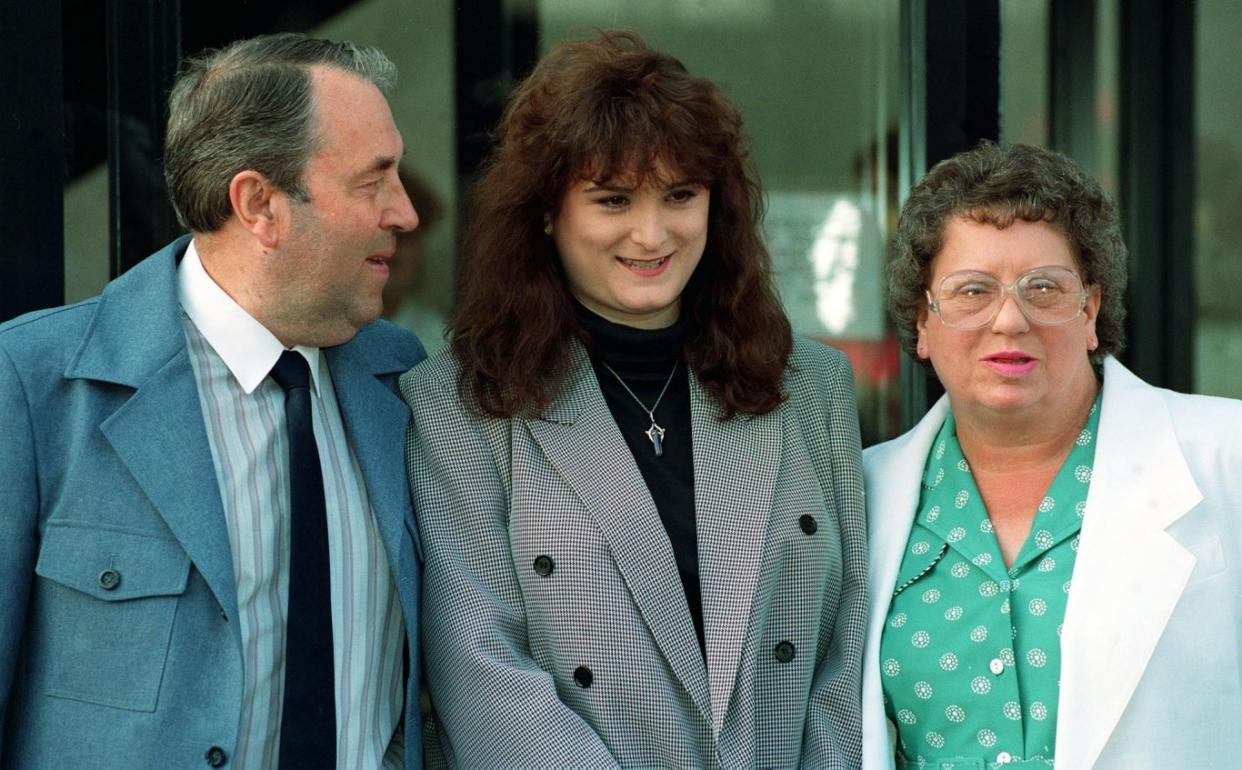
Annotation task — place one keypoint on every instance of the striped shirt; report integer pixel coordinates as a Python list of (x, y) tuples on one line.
[(232, 354)]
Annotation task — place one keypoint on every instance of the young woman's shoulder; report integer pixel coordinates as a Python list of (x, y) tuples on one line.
[(815, 360), (433, 381), (819, 382)]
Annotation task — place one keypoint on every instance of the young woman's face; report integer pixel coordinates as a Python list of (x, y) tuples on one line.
[(629, 249)]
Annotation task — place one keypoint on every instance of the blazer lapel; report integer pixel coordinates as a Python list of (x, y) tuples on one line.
[(579, 436), (160, 437), (1130, 573), (375, 420), (136, 341), (735, 467), (893, 472)]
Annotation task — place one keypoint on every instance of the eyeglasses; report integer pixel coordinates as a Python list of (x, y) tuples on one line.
[(1045, 295)]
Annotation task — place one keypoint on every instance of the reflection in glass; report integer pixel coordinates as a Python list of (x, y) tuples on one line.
[(1218, 197)]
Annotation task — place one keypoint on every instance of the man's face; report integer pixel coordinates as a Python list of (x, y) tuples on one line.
[(328, 274)]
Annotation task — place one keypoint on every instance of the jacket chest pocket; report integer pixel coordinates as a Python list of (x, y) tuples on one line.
[(104, 613)]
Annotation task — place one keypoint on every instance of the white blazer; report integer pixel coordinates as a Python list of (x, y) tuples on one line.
[(1150, 674)]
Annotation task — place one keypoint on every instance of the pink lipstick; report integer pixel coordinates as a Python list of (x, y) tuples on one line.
[(1010, 363)]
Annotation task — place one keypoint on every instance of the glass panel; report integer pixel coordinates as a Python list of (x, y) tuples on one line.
[(1218, 197), (818, 85), (1024, 71), (1107, 99), (86, 173)]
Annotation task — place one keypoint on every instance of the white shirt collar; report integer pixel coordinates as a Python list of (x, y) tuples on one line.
[(247, 348)]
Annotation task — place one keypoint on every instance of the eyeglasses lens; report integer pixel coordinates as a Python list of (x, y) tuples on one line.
[(1051, 295)]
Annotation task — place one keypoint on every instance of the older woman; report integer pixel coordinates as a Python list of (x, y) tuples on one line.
[(638, 494), (1056, 545)]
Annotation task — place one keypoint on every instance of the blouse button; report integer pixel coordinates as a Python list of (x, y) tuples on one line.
[(997, 666), (544, 565), (1004, 758), (808, 524)]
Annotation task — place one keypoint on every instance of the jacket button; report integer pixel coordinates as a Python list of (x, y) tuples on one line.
[(109, 579), (785, 652), (808, 523), (215, 756), (583, 676), (544, 565)]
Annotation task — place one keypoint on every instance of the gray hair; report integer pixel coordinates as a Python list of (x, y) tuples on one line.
[(250, 106), (996, 184)]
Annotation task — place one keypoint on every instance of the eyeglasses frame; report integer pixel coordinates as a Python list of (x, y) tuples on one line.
[(1009, 290)]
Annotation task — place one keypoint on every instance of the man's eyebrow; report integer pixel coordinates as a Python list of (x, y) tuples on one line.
[(382, 163)]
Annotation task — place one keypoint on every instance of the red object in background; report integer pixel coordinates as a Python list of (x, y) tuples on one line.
[(875, 362)]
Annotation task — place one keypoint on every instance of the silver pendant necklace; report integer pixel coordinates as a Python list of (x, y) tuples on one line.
[(655, 434)]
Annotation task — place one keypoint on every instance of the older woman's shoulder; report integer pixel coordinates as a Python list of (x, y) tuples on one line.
[(1209, 410), (1193, 416), (1211, 420)]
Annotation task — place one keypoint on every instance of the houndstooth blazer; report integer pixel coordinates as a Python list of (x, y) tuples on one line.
[(555, 627)]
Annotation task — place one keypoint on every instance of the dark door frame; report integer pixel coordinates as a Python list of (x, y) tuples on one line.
[(950, 83)]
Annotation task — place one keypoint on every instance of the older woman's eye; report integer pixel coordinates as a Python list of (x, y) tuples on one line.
[(684, 195), (1043, 286), (974, 290)]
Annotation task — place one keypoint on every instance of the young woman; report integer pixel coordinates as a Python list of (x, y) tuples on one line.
[(639, 496)]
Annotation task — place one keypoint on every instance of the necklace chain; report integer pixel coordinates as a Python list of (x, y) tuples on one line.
[(655, 434)]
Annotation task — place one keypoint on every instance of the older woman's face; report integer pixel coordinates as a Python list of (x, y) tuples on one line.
[(628, 250), (1011, 365)]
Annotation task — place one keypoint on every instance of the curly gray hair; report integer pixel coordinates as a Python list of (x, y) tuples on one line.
[(996, 184)]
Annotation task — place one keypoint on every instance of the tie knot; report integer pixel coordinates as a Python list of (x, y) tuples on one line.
[(291, 371)]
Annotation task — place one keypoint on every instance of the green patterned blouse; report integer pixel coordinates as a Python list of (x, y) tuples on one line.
[(971, 653)]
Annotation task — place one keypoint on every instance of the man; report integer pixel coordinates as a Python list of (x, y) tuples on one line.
[(202, 564)]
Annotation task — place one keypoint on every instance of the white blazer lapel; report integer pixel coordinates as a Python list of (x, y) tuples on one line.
[(735, 467), (579, 436), (893, 472), (1130, 572)]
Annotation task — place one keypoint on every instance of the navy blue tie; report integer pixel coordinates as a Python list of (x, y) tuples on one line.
[(308, 720)]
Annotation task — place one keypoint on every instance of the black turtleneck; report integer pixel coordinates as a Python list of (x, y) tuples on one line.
[(644, 358)]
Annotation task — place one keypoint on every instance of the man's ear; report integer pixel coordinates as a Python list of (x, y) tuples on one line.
[(259, 206)]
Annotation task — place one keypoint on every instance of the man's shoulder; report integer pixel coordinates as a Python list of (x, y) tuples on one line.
[(396, 345), (42, 333), (45, 336)]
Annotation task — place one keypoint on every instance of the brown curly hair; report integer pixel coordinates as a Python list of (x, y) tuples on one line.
[(599, 110), (996, 184)]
